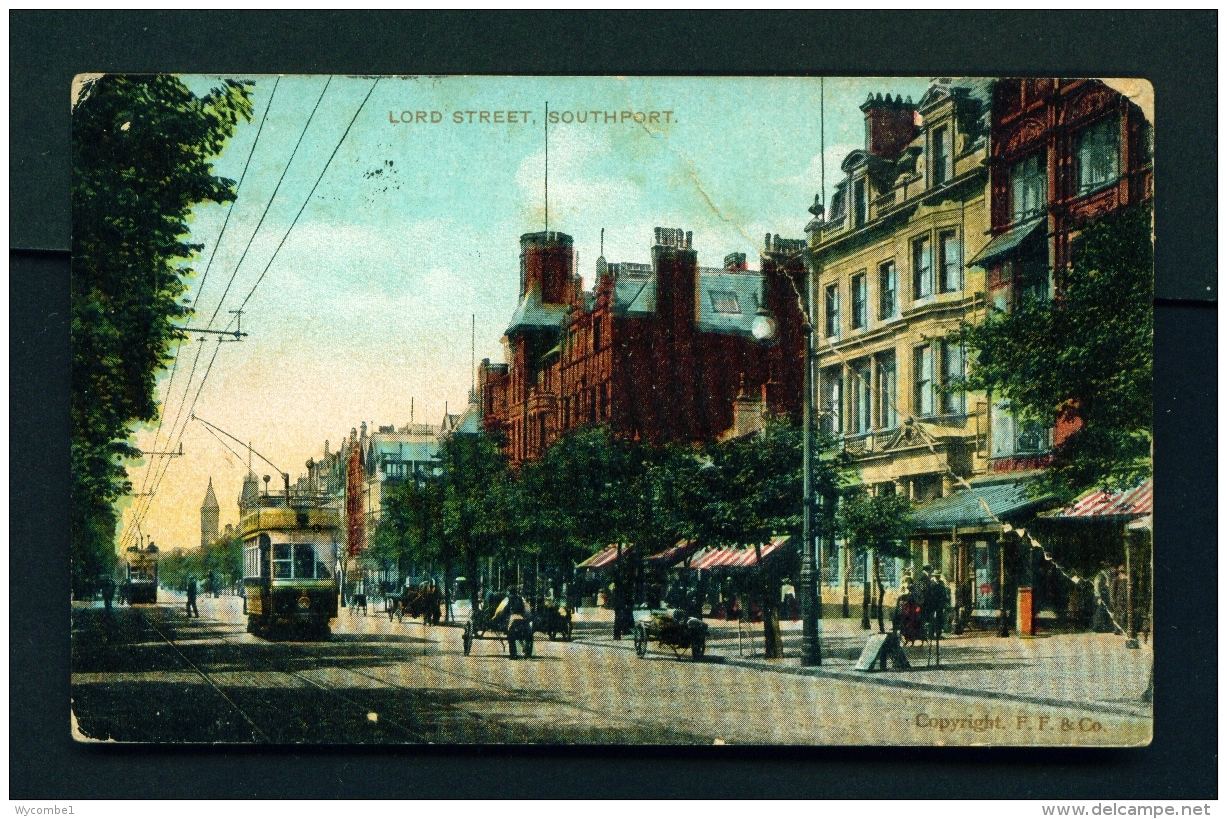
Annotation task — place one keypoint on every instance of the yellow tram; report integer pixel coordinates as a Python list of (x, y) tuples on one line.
[(290, 578), (141, 577)]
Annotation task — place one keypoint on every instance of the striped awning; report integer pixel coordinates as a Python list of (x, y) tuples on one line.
[(604, 558), (1135, 503), (733, 558), (674, 554)]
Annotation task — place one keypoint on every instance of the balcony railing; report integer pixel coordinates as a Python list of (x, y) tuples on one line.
[(859, 443)]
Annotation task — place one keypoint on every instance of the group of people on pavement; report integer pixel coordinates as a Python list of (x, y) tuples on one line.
[(920, 611)]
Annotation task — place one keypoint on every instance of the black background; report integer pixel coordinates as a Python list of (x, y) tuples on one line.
[(1176, 51)]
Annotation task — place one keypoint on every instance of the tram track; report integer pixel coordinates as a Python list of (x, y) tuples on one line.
[(365, 709), (506, 689), (246, 717)]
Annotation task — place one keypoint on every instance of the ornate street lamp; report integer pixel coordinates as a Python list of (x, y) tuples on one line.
[(764, 330)]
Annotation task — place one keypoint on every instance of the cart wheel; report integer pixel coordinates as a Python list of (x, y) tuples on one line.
[(467, 638), (698, 648), (641, 641)]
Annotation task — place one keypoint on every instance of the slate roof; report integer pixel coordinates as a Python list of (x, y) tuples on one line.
[(532, 314), (719, 290), (395, 447), (966, 508)]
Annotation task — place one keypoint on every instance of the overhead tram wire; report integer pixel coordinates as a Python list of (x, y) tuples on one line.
[(226, 445), (208, 266), (306, 201), (196, 361)]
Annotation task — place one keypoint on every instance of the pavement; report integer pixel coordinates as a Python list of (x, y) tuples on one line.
[(1094, 671), (148, 674)]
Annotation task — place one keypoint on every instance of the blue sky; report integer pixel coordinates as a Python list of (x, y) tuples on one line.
[(415, 227)]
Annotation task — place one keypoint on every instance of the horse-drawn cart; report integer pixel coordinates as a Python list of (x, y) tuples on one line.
[(425, 601), (554, 621), (672, 630), (504, 618)]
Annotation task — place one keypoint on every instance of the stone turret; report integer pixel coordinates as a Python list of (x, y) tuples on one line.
[(209, 514)]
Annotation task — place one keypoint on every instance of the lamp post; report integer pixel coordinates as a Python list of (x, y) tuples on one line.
[(764, 330)]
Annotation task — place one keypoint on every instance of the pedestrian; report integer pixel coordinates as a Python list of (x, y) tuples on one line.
[(1120, 600), (1102, 621), (934, 605), (108, 592), (191, 598)]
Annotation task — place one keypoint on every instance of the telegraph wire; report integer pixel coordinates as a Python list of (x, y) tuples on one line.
[(208, 266), (270, 204), (306, 201), (221, 301)]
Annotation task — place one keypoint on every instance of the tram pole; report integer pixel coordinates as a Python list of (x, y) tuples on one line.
[(811, 580)]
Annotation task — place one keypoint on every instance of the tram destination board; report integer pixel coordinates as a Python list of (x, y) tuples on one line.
[(612, 410)]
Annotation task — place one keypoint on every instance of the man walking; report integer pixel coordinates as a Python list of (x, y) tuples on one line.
[(1102, 622), (191, 598)]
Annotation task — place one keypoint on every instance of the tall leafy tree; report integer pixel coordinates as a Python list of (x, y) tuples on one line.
[(141, 160), (410, 528), (880, 523), (752, 490), (474, 504), (1084, 356)]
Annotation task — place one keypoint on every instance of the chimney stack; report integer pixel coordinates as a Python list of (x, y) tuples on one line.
[(890, 124)]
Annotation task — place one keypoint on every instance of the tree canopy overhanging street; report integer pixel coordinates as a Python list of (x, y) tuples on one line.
[(141, 151)]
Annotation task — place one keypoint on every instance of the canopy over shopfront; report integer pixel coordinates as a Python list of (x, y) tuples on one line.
[(737, 558), (605, 558), (983, 506), (674, 554), (1101, 504)]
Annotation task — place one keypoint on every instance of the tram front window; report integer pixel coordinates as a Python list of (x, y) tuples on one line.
[(282, 564), (304, 560)]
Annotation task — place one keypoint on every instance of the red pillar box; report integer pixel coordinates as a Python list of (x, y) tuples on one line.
[(1026, 616)]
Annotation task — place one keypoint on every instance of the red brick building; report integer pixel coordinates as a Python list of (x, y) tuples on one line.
[(1064, 153), (657, 351)]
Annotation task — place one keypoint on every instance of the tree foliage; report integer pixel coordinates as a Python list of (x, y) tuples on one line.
[(877, 522), (1085, 355), (880, 523), (141, 151)]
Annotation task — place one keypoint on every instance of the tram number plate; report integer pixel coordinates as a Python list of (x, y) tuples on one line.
[(304, 602)]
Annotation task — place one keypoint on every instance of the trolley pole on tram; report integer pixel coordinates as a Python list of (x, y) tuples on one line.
[(811, 580)]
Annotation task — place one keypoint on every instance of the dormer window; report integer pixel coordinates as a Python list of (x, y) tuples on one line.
[(943, 156), (860, 208)]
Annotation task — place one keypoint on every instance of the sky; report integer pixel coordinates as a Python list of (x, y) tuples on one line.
[(364, 307)]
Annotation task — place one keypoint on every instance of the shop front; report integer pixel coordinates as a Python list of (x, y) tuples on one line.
[(971, 539)]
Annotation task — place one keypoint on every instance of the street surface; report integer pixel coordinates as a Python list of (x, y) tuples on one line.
[(148, 674)]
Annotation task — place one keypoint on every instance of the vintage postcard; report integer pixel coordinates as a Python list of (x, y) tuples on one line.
[(612, 410)]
